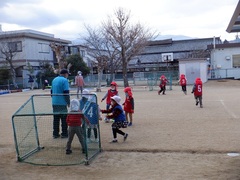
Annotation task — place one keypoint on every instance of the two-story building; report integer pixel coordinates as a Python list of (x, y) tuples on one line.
[(29, 47)]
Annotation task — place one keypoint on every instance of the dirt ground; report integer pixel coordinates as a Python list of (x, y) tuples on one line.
[(171, 138)]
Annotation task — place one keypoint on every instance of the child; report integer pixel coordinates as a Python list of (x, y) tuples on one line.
[(119, 118), (183, 83), (128, 104), (90, 108), (110, 93), (162, 85), (197, 90), (74, 121)]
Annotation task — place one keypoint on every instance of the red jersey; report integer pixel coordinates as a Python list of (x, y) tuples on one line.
[(198, 88), (74, 119), (183, 81), (110, 94)]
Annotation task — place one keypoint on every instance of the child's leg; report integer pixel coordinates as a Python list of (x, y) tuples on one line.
[(114, 130), (89, 132), (79, 132), (71, 133), (126, 115), (95, 132), (130, 117)]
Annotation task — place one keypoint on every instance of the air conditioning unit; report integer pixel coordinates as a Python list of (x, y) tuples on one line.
[(166, 57)]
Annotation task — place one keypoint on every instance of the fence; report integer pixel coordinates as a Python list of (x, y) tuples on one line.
[(33, 135)]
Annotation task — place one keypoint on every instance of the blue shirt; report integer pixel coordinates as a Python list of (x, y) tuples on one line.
[(59, 86)]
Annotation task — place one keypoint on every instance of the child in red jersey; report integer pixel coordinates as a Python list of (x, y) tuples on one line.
[(110, 93), (129, 105), (197, 90), (183, 83), (75, 120), (162, 85)]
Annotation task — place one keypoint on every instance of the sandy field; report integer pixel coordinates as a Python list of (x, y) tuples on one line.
[(171, 138)]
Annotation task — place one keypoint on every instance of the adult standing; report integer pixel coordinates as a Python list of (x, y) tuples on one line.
[(60, 101), (79, 82)]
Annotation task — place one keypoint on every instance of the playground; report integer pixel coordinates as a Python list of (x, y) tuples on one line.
[(171, 138)]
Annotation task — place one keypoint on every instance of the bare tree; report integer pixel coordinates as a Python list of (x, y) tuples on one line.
[(127, 39), (10, 47), (104, 56)]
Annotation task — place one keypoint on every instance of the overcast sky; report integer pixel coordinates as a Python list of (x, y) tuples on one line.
[(66, 18)]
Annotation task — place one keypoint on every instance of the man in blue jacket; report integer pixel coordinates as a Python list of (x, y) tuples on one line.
[(60, 101)]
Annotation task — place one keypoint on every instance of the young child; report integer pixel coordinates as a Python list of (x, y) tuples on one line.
[(162, 85), (128, 105), (183, 83), (110, 93), (74, 121), (90, 108), (119, 118), (197, 90)]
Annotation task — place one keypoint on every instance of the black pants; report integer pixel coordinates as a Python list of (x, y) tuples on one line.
[(61, 114), (163, 89), (184, 88)]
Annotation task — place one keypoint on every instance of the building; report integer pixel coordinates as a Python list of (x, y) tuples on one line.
[(28, 47)]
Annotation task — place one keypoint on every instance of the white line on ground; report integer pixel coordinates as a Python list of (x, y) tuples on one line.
[(227, 109)]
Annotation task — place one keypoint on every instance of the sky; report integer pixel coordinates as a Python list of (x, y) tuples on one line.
[(66, 19)]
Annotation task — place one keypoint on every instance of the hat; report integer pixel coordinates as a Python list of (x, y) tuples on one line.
[(114, 83), (117, 99), (74, 105), (79, 72), (85, 93), (64, 71)]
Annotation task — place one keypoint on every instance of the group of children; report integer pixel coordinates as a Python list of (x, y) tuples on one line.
[(122, 116), (196, 90), (86, 113)]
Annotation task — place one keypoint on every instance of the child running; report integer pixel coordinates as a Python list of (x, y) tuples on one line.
[(110, 93), (183, 83), (119, 118), (128, 105), (162, 85), (74, 121), (197, 90)]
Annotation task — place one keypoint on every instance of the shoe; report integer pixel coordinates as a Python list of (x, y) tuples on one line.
[(68, 151), (130, 124), (64, 136), (114, 141), (56, 136), (125, 137), (201, 106), (197, 103)]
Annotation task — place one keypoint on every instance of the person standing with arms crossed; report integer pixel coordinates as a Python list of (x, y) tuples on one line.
[(60, 101), (79, 82)]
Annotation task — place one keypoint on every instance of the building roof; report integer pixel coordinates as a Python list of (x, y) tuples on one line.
[(32, 34), (234, 24)]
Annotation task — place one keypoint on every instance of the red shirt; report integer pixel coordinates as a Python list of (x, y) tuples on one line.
[(128, 105), (74, 119), (198, 88), (183, 82), (110, 94)]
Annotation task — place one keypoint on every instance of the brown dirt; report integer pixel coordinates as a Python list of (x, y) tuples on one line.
[(171, 138)]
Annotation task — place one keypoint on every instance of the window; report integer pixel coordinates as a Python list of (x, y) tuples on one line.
[(236, 61), (82, 53), (43, 48), (15, 46)]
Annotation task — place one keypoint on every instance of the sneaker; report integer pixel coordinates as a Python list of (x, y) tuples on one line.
[(125, 137), (197, 103), (114, 141), (130, 124), (201, 106), (56, 136), (68, 151)]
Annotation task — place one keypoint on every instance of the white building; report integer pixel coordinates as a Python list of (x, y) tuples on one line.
[(29, 47)]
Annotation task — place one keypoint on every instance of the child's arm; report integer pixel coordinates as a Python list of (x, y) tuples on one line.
[(104, 97), (116, 113)]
